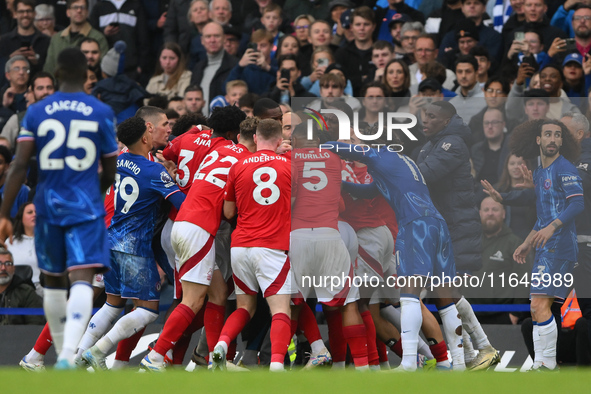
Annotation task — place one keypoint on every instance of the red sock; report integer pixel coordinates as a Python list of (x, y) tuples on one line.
[(178, 321), (126, 346), (370, 329), (356, 337), (397, 348), (338, 345), (234, 324), (308, 325), (439, 351), (44, 341), (214, 321), (280, 330), (231, 351), (180, 349), (382, 351)]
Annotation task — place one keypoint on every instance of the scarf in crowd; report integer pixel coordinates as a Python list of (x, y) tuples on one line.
[(500, 16)]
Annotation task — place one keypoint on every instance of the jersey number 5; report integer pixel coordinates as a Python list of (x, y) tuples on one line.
[(74, 142)]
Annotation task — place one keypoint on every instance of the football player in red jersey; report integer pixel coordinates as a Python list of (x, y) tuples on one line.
[(192, 238), (317, 250), (259, 189)]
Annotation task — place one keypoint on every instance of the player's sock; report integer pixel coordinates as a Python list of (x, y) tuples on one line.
[(411, 320), (280, 337), (234, 324), (127, 326), (370, 329), (383, 353), (391, 314), (537, 346), (294, 328), (177, 354), (178, 321), (126, 346), (471, 324), (231, 353), (425, 350), (356, 338), (214, 321), (469, 352), (309, 327), (338, 345), (395, 346), (42, 345), (452, 326), (439, 351), (98, 325), (54, 305), (548, 337), (78, 312)]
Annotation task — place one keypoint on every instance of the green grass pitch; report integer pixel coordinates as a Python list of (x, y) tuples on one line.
[(570, 381)]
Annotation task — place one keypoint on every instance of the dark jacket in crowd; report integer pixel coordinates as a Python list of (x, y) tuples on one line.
[(275, 93), (446, 19), (257, 79), (20, 294), (444, 163), (489, 38), (356, 65), (218, 83), (132, 29), (121, 93), (176, 27), (548, 32)]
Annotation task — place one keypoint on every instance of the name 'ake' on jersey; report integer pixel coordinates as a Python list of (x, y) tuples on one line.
[(71, 131), (139, 186)]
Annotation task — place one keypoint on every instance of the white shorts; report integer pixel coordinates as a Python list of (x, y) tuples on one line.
[(166, 244), (320, 255), (195, 249), (376, 247), (350, 238), (264, 268)]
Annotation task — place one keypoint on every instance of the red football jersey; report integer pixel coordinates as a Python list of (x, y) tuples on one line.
[(204, 203), (188, 151), (359, 213), (110, 196), (261, 187), (316, 187)]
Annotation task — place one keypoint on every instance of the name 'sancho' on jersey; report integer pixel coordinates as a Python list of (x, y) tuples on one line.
[(130, 165)]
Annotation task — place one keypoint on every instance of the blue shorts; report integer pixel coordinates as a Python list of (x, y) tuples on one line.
[(133, 277), (63, 248), (423, 247), (551, 274)]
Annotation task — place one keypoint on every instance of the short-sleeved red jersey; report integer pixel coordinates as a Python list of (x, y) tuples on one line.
[(204, 203), (188, 151), (316, 187), (260, 185)]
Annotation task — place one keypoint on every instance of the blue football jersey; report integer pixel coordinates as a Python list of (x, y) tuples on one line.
[(554, 185), (398, 179), (71, 131), (140, 185)]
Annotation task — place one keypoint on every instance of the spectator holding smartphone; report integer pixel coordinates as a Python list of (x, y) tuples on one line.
[(287, 85)]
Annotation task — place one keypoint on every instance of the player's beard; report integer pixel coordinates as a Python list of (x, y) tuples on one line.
[(490, 227), (547, 154)]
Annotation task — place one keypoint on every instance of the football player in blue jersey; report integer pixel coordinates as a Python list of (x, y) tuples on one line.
[(140, 185), (69, 132), (559, 199)]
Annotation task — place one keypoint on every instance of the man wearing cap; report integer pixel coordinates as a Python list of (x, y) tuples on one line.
[(470, 98), (467, 37), (232, 38), (340, 30), (577, 79), (395, 27), (385, 15), (474, 10), (429, 90)]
